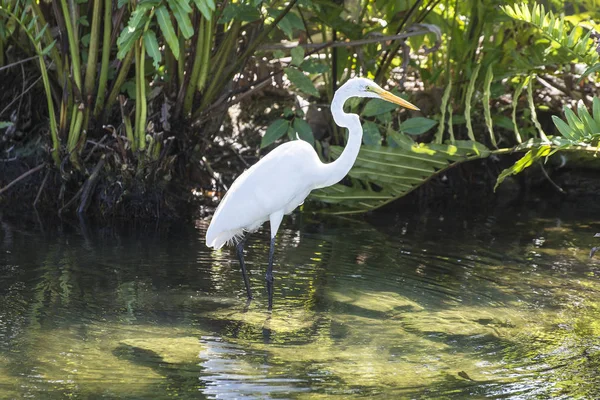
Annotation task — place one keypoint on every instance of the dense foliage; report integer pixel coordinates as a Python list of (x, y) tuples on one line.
[(135, 93)]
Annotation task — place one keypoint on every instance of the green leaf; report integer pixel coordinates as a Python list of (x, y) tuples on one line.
[(152, 49), (574, 122), (563, 128), (591, 70), (83, 21), (290, 22), (526, 161), (240, 12), (417, 125), (47, 49), (503, 122), (397, 139), (184, 6), (182, 16), (304, 130), (138, 17), (5, 124), (297, 55), (288, 112), (133, 30), (166, 27), (277, 129), (301, 81), (211, 4), (129, 88), (37, 38), (85, 40), (487, 113), (286, 27), (371, 134), (596, 110), (313, 66), (590, 126), (378, 106), (204, 7), (395, 171), (126, 40), (295, 21)]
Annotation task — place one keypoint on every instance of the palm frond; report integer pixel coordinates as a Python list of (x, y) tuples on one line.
[(382, 174)]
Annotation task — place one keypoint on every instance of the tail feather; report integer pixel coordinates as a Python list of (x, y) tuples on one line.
[(228, 237)]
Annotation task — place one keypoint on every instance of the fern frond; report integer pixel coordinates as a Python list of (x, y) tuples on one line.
[(582, 128), (572, 40)]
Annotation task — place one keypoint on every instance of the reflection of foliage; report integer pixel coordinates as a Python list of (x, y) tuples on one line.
[(358, 312)]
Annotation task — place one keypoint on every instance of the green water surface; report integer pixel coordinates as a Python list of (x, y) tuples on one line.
[(504, 306)]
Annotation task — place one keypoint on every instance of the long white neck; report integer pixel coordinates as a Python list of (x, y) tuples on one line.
[(337, 170)]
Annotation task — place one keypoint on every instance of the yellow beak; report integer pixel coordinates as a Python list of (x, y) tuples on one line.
[(392, 98)]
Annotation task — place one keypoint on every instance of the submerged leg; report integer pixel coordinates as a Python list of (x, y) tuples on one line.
[(269, 277), (275, 220), (240, 253)]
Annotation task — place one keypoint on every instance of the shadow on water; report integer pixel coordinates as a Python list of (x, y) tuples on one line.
[(501, 306)]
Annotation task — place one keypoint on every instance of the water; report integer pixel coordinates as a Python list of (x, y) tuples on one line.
[(503, 306)]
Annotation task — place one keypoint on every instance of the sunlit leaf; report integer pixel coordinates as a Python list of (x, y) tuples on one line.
[(526, 161), (5, 124), (301, 81), (574, 122), (591, 70), (596, 110), (396, 171), (277, 129), (563, 128), (590, 126)]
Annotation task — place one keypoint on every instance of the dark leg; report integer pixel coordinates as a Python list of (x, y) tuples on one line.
[(240, 253), (269, 277)]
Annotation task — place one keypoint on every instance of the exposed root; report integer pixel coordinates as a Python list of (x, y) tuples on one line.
[(89, 186), (23, 176)]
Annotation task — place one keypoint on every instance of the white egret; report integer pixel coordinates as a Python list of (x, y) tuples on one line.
[(279, 182)]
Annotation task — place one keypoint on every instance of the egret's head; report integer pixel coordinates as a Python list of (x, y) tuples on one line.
[(362, 87)]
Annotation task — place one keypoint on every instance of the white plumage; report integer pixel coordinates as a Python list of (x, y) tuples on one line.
[(280, 181), (277, 183)]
